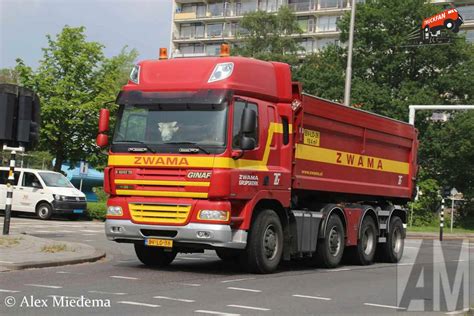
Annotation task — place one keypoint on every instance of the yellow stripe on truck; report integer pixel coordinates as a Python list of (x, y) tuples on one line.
[(200, 162), (201, 195), (342, 158), (163, 183)]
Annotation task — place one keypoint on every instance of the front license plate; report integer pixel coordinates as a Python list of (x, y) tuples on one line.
[(78, 211), (166, 243)]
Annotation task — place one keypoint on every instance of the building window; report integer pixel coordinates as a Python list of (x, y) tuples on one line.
[(245, 6), (215, 30), (306, 46), (327, 23), (323, 42), (191, 48), (213, 49), (301, 5), (330, 4), (216, 8), (306, 24), (195, 30)]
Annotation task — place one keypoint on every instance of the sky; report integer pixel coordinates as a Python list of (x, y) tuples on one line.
[(141, 24)]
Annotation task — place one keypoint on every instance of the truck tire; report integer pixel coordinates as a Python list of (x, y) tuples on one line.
[(364, 252), (152, 256), (265, 243), (44, 211), (228, 255), (392, 250), (330, 249)]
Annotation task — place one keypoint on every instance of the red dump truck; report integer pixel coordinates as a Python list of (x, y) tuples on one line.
[(227, 153)]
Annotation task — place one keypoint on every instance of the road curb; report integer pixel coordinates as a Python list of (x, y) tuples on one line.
[(97, 255)]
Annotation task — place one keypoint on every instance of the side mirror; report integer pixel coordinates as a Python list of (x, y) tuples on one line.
[(247, 143), (104, 117), (102, 140), (249, 121)]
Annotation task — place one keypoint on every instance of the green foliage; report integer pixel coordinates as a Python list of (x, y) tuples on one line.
[(101, 195), (265, 36), (426, 208), (8, 75), (97, 210), (73, 81)]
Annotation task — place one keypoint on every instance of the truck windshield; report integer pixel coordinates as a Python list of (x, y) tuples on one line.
[(55, 180), (174, 125)]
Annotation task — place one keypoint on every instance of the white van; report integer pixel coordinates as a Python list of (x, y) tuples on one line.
[(42, 192)]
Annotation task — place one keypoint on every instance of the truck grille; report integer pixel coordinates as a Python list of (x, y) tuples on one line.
[(159, 213)]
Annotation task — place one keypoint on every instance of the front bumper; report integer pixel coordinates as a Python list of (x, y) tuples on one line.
[(68, 207), (220, 236)]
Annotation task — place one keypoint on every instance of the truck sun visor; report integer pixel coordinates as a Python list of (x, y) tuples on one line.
[(183, 97)]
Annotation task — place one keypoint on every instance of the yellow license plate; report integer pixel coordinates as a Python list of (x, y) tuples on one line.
[(166, 243)]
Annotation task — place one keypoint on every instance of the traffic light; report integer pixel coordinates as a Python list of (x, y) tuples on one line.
[(446, 192), (19, 116)]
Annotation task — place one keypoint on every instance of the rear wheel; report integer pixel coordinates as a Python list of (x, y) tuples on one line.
[(366, 246), (265, 243), (329, 250), (392, 250), (153, 256), (44, 211)]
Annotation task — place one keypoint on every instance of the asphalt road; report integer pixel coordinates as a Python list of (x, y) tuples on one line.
[(200, 284)]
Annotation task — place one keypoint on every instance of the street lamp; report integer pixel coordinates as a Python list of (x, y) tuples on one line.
[(347, 88)]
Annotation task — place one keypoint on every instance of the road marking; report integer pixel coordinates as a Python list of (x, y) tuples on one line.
[(191, 284), (90, 231), (107, 293), (215, 313), (6, 262), (190, 258), (338, 270), (45, 286), (313, 297), (459, 260), (8, 291), (237, 280), (88, 234), (242, 289), (137, 303), (385, 306), (458, 312), (412, 247), (250, 307), (406, 264), (88, 240), (73, 297), (174, 299), (123, 277)]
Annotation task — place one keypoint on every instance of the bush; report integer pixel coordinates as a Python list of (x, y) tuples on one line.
[(101, 195), (97, 210)]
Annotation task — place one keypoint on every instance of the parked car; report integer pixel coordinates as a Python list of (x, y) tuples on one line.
[(42, 192)]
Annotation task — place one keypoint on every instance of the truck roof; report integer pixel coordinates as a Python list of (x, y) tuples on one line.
[(250, 77)]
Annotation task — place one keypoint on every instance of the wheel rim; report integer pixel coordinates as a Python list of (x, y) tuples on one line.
[(397, 240), (368, 239), (449, 25), (43, 211), (334, 242), (270, 242)]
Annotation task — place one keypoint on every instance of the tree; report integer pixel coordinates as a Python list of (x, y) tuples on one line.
[(8, 75), (269, 36), (73, 81)]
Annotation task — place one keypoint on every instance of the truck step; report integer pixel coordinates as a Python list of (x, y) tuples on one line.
[(384, 213)]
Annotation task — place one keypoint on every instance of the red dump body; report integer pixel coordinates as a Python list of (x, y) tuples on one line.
[(345, 150)]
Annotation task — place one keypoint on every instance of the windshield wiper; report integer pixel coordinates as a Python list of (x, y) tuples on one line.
[(189, 143), (138, 142)]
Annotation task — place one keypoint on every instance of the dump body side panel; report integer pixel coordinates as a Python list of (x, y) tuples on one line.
[(344, 150)]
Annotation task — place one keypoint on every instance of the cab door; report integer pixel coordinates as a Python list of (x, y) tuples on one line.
[(30, 192)]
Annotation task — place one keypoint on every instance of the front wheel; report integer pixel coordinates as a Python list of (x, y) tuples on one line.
[(44, 211), (153, 256), (392, 249), (329, 250), (265, 243)]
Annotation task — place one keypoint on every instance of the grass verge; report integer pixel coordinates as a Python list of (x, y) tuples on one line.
[(56, 248)]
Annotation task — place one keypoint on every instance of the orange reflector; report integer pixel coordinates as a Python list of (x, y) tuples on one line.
[(163, 53), (225, 50)]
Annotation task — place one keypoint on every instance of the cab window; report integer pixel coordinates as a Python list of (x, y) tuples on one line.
[(30, 180), (4, 177), (239, 107)]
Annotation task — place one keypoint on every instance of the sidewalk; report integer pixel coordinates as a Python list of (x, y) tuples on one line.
[(19, 251), (446, 236)]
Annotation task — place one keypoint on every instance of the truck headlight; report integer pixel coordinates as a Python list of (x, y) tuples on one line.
[(213, 215), (114, 211)]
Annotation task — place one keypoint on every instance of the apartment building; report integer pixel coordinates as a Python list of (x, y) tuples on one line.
[(200, 26)]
